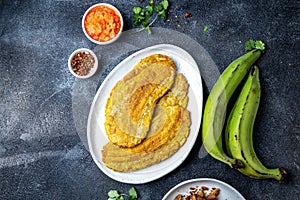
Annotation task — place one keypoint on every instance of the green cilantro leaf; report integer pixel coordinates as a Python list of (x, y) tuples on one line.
[(159, 7), (136, 9), (150, 2), (148, 13), (137, 19), (149, 9), (132, 194), (148, 29), (145, 23), (113, 194), (165, 4), (162, 14), (205, 28), (142, 13), (142, 16)]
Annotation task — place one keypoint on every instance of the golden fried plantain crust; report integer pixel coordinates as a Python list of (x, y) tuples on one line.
[(167, 114), (168, 132), (131, 104), (118, 159)]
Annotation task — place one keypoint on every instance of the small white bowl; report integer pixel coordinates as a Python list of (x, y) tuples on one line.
[(92, 71), (114, 38)]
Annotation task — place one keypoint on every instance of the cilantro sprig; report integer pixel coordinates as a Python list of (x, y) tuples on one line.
[(205, 28), (254, 44), (142, 16), (115, 195)]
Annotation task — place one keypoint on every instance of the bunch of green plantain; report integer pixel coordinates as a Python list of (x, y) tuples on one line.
[(238, 152)]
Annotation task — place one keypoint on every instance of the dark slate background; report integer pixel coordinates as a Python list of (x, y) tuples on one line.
[(41, 155)]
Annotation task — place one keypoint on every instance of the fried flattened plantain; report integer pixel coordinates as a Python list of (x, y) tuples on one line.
[(167, 114), (168, 132), (130, 107), (118, 159)]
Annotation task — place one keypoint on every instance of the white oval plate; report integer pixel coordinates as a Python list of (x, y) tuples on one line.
[(226, 191), (95, 128)]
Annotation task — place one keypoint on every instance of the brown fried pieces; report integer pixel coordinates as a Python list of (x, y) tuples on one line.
[(200, 193)]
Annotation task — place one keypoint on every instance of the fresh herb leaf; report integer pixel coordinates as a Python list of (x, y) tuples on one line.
[(114, 195), (149, 9), (131, 198), (132, 194), (162, 14), (150, 2), (148, 13), (137, 19), (205, 28), (142, 13), (137, 9), (148, 29), (142, 16), (165, 4), (145, 24), (158, 8), (254, 44)]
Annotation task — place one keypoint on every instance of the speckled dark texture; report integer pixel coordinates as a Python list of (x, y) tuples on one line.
[(41, 155)]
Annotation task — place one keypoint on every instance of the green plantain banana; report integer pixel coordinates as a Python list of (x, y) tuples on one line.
[(239, 131), (215, 107)]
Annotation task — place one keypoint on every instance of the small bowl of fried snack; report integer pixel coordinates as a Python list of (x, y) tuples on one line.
[(200, 193)]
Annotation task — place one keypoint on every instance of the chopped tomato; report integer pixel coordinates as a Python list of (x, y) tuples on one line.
[(102, 23)]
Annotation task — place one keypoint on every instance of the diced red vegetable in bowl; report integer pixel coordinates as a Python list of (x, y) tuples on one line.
[(102, 23)]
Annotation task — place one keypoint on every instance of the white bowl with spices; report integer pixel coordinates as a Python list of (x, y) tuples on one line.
[(102, 23), (83, 63)]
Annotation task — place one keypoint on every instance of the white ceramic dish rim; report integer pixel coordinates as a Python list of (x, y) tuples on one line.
[(195, 182), (113, 39), (93, 70), (160, 169)]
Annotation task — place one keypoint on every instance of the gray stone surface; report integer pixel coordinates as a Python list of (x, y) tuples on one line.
[(43, 157)]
